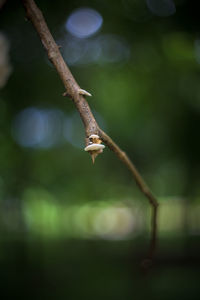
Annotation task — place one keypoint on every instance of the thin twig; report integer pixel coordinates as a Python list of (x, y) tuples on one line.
[(142, 186), (90, 124)]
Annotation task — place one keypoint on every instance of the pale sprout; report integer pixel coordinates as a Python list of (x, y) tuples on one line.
[(84, 93)]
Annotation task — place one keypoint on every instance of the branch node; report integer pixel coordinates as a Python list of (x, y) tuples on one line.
[(66, 94), (94, 147)]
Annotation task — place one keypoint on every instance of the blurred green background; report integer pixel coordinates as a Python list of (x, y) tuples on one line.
[(70, 229)]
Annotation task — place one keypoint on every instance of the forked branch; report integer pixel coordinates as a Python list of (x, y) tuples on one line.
[(77, 95)]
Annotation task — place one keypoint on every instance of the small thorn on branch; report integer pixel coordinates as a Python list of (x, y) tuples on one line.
[(84, 93), (66, 94), (93, 156)]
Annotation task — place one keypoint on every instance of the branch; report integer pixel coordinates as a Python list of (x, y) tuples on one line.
[(77, 95)]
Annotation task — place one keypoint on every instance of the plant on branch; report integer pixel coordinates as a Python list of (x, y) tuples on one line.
[(94, 135)]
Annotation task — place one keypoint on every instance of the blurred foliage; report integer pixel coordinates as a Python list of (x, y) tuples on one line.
[(145, 87)]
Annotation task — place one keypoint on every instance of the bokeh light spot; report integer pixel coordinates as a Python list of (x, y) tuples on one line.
[(103, 49), (114, 223), (84, 22), (113, 49), (38, 128)]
